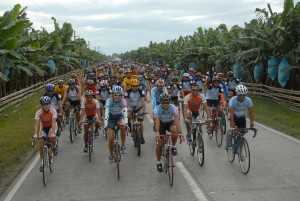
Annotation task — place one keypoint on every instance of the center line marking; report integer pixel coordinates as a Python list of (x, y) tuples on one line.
[(196, 190)]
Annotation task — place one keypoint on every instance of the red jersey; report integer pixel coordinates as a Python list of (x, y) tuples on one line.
[(46, 117)]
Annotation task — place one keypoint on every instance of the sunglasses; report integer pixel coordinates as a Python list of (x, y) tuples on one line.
[(103, 86), (195, 89), (165, 102), (50, 91), (241, 95), (117, 95)]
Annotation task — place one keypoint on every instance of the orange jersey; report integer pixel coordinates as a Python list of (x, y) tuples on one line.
[(194, 102), (46, 117), (90, 107)]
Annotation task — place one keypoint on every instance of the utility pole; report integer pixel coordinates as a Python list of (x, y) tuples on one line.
[(75, 35), (88, 44)]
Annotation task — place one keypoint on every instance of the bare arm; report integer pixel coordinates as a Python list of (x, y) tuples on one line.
[(251, 115), (36, 127)]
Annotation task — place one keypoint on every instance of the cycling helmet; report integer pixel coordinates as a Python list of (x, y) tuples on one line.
[(241, 89), (140, 78), (89, 82), (102, 83), (100, 76), (71, 81), (163, 70), (198, 75), (191, 70), (88, 93), (50, 87), (60, 81), (135, 82), (216, 79), (229, 74), (174, 79), (186, 75), (164, 97), (160, 82), (128, 71), (73, 75), (117, 90), (45, 100), (220, 74), (92, 75)]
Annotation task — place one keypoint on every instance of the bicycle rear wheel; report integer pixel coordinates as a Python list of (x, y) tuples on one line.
[(117, 155), (244, 156), (211, 134), (71, 129), (192, 144), (200, 149), (45, 164), (171, 167), (138, 133), (230, 147), (218, 133)]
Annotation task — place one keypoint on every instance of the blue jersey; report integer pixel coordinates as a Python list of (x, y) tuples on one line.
[(155, 93), (213, 93), (166, 115), (115, 109), (240, 107)]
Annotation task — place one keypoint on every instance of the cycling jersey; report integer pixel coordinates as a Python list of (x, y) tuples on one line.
[(54, 99), (155, 93), (90, 107), (115, 110), (60, 90), (200, 83), (231, 85), (175, 89), (73, 94), (186, 87), (166, 115), (46, 117), (104, 94), (213, 93), (126, 83), (194, 102), (134, 97), (240, 107)]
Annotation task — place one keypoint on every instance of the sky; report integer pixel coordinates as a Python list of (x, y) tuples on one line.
[(117, 26)]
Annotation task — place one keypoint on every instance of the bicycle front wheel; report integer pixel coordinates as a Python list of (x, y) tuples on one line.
[(90, 146), (71, 129), (171, 167), (138, 133), (230, 146), (218, 133), (192, 144), (45, 164), (117, 155), (244, 156), (200, 149)]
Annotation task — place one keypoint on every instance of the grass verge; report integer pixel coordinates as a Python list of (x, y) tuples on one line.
[(276, 116)]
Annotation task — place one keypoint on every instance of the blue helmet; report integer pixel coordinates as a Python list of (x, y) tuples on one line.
[(117, 90), (45, 100), (50, 87)]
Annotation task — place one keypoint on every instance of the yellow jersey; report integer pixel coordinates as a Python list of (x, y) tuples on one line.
[(60, 90), (127, 82)]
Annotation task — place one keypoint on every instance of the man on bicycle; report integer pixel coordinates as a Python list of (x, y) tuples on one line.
[(166, 118), (90, 109), (116, 113), (46, 117), (191, 108), (135, 98)]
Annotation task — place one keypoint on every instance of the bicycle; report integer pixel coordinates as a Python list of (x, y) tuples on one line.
[(167, 154), (216, 126), (197, 140), (48, 156), (91, 136), (63, 117), (117, 156), (239, 145), (136, 130), (73, 122)]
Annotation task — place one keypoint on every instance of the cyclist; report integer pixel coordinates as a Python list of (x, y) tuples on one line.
[(89, 85), (90, 109), (46, 117), (74, 76), (72, 97), (199, 80), (191, 108), (166, 117), (116, 112), (55, 103), (127, 80), (231, 83), (104, 94), (60, 87), (173, 89), (156, 91), (135, 98)]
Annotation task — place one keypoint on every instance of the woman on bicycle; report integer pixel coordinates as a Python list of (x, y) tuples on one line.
[(46, 117), (116, 113), (166, 118), (90, 109)]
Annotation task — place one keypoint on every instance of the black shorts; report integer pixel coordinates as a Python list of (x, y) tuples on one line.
[(165, 126), (175, 100), (74, 103), (211, 103), (240, 122), (46, 129), (103, 102)]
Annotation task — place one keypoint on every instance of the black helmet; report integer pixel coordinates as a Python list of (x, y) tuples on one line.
[(229, 74), (216, 78)]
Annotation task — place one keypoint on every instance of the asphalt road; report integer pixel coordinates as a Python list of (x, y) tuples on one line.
[(274, 174)]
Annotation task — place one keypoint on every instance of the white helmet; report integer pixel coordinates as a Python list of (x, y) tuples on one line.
[(241, 89), (186, 75), (102, 83)]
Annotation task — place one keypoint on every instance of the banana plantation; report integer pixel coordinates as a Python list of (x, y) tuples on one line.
[(28, 56), (266, 50)]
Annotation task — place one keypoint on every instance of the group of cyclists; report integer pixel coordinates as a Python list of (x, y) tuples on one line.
[(109, 93)]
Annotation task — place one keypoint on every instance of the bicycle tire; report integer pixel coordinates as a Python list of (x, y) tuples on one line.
[(218, 133), (244, 157), (202, 112), (75, 127), (90, 145), (51, 165), (200, 149), (45, 164), (192, 145), (230, 149), (171, 167), (71, 129), (223, 124), (138, 139), (166, 157), (133, 132), (117, 159)]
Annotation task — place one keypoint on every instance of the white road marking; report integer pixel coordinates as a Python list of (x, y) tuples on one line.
[(196, 190), (150, 118), (18, 184)]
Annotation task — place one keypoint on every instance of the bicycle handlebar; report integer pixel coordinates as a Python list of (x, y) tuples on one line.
[(245, 130), (169, 135)]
